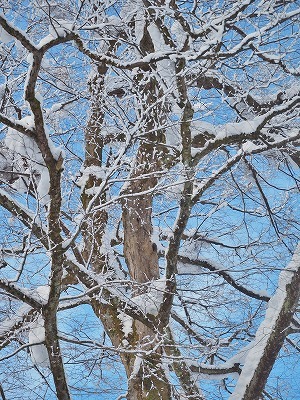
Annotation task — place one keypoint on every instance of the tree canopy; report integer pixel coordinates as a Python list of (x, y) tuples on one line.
[(149, 193)]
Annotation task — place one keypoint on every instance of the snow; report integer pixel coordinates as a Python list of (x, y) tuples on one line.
[(98, 172), (15, 29), (139, 22), (7, 163), (39, 97), (257, 347), (262, 292), (8, 324), (110, 234), (130, 9), (26, 147), (60, 28), (200, 127), (29, 59), (239, 128), (56, 107), (247, 127), (44, 186), (126, 323), (43, 293), (150, 302), (179, 33), (173, 137), (165, 68), (249, 147), (114, 83), (136, 367), (156, 239), (38, 351), (20, 185), (4, 36), (47, 39), (187, 269)]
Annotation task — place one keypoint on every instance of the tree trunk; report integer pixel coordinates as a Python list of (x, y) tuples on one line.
[(148, 380)]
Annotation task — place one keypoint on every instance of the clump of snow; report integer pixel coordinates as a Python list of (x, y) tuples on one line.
[(25, 148), (7, 163), (47, 39), (134, 9), (150, 302), (239, 128), (44, 186), (173, 136), (249, 147), (43, 292), (38, 351), (156, 239), (98, 172), (33, 163), (21, 143), (136, 366), (4, 36), (60, 28), (179, 33), (126, 323), (202, 127), (165, 68), (111, 234)]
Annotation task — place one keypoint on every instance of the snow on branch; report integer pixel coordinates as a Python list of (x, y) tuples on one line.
[(27, 217), (232, 133), (9, 326), (215, 370), (22, 294), (17, 125), (271, 333), (17, 34), (188, 266), (101, 290)]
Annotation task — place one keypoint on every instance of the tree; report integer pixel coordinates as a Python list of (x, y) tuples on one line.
[(149, 199)]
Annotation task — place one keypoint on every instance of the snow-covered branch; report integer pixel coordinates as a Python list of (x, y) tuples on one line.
[(186, 266), (17, 34), (21, 294), (271, 333)]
